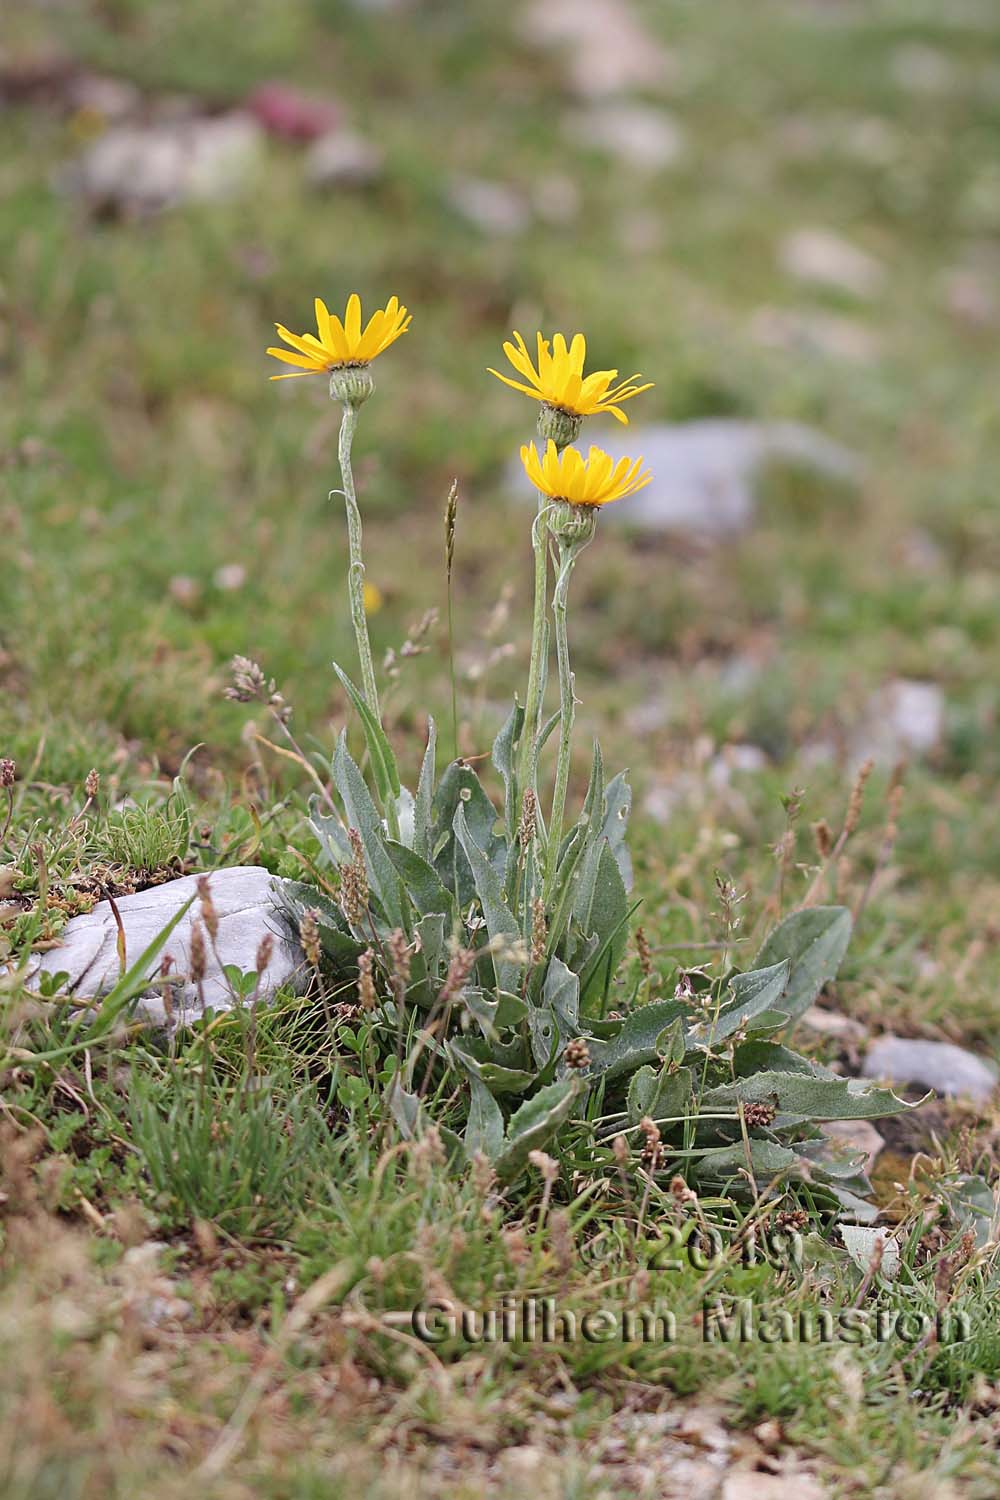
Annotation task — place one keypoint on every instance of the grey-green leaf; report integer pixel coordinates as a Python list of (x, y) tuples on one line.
[(484, 1131), (814, 942), (383, 762), (800, 1096), (361, 814), (535, 1123), (500, 922), (752, 993), (635, 1041), (421, 882), (424, 801)]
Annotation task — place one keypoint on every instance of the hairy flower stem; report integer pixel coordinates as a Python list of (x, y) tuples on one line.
[(568, 553), (533, 700), (527, 764), (356, 573)]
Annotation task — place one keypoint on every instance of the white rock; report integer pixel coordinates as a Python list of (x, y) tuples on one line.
[(903, 719), (636, 135), (343, 159), (608, 50), (493, 207), (831, 1023), (746, 1484), (704, 472), (106, 97), (858, 1137), (922, 70), (735, 758), (230, 577), (861, 1243), (819, 255), (147, 168), (941, 1066), (971, 297), (810, 333), (245, 900)]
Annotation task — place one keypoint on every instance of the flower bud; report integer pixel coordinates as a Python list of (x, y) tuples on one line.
[(351, 384), (563, 427), (573, 524)]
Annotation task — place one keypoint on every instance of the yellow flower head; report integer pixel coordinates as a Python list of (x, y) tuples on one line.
[(559, 380), (594, 480), (341, 343)]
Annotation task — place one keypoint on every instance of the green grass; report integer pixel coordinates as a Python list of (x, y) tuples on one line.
[(143, 450)]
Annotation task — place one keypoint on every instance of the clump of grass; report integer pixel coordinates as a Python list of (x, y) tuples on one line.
[(146, 839), (236, 1157)]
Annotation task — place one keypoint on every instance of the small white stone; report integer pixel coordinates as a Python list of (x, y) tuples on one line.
[(861, 1244), (971, 298), (922, 70), (820, 255), (906, 718), (492, 207), (736, 758), (142, 169), (608, 50), (246, 902), (636, 135), (230, 577), (814, 332), (343, 159), (832, 1023), (857, 1137), (941, 1066)]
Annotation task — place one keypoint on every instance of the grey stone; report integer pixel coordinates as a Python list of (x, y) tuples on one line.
[(492, 207), (733, 759), (608, 50), (857, 1137), (812, 332), (863, 1243), (143, 169), (941, 1066), (819, 255), (971, 297), (831, 1023), (903, 719), (922, 70), (246, 903), (704, 472), (636, 135), (343, 159)]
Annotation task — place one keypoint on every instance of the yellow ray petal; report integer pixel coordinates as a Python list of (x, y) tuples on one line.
[(304, 361)]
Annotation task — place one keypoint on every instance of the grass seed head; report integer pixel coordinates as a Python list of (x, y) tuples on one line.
[(366, 983), (199, 956), (309, 936), (209, 915)]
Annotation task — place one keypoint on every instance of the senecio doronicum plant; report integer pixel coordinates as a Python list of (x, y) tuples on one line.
[(479, 947)]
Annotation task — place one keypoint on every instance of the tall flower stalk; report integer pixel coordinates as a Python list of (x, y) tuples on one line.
[(344, 351), (569, 549), (574, 488), (555, 378), (356, 568)]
